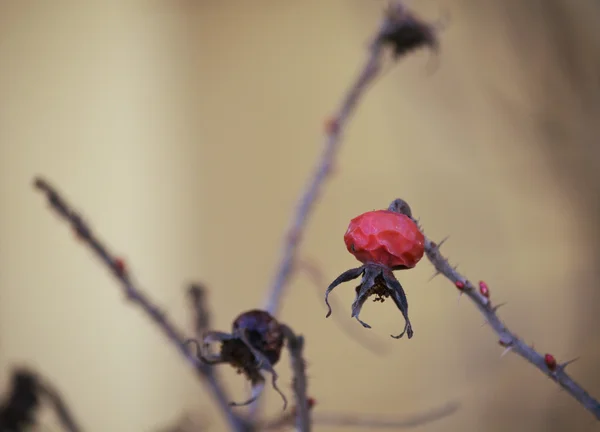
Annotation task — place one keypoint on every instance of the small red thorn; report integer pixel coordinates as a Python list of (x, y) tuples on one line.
[(311, 402), (332, 125), (484, 289), (550, 361), (119, 264), (460, 285)]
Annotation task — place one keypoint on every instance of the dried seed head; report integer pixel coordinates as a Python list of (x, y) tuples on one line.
[(253, 346), (404, 32), (264, 332)]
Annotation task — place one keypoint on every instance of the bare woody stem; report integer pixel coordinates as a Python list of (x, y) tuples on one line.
[(135, 295), (295, 344), (507, 338), (317, 179)]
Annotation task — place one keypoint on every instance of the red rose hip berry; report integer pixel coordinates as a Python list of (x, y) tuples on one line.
[(385, 237), (384, 241)]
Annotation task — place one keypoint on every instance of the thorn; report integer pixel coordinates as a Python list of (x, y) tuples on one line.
[(506, 351), (498, 306), (437, 273), (459, 296), (439, 245), (562, 366)]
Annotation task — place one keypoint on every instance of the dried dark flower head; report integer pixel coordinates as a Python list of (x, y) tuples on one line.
[(17, 411), (405, 32), (253, 346)]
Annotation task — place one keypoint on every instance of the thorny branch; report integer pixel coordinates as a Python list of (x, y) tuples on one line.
[(135, 295), (362, 420), (545, 363)]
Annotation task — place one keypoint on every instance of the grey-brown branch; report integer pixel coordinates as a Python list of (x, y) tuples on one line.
[(135, 295), (295, 345), (507, 338), (308, 198)]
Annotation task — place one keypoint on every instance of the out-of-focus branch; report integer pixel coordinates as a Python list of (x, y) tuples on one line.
[(59, 406), (547, 364), (18, 409), (394, 31), (200, 311), (295, 345), (380, 422), (403, 32), (135, 295), (371, 421)]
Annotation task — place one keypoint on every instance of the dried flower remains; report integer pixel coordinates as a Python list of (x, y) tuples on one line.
[(253, 347)]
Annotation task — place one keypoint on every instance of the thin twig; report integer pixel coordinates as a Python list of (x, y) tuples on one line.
[(135, 295), (19, 408), (308, 198), (295, 345), (332, 143), (378, 422), (391, 31), (509, 340), (370, 421)]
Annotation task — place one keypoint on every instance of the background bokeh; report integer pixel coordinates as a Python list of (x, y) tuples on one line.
[(185, 130)]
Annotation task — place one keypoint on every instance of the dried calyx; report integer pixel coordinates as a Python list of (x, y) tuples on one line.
[(18, 409), (384, 241), (405, 32), (253, 347)]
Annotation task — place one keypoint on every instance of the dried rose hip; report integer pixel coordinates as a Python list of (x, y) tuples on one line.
[(384, 241), (253, 346)]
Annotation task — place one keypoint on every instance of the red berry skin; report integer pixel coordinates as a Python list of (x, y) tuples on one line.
[(385, 237)]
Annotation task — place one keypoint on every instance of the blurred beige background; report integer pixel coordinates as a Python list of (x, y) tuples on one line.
[(184, 130)]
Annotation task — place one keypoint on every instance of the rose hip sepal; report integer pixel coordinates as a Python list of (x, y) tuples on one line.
[(254, 345), (384, 241)]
